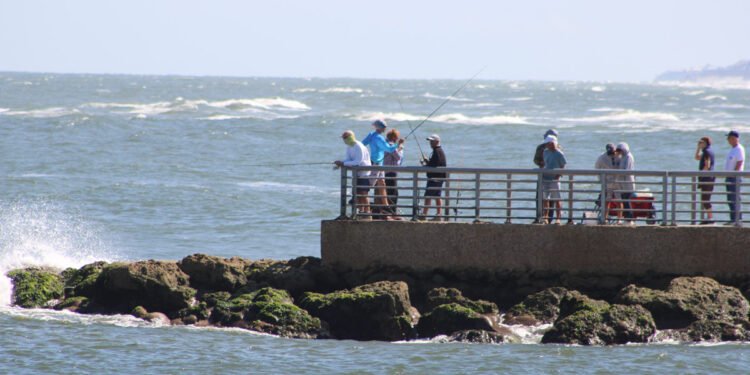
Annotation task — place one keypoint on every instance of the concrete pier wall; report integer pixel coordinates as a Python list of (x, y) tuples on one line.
[(722, 252)]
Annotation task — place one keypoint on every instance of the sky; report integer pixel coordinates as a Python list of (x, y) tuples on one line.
[(622, 41)]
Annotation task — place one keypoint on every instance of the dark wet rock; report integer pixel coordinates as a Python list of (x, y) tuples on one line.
[(193, 314), (717, 330), (538, 308), (154, 317), (586, 321), (687, 300), (214, 298), (75, 304), (303, 274), (215, 273), (268, 310), (82, 282), (377, 311), (442, 296), (477, 336), (155, 285), (452, 317), (35, 287)]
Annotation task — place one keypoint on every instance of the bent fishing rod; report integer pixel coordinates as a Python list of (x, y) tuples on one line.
[(446, 101)]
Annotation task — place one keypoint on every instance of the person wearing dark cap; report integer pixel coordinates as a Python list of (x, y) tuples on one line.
[(735, 162), (610, 160), (435, 179), (626, 183), (705, 156)]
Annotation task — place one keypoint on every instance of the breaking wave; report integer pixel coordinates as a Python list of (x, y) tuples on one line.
[(450, 118), (42, 234), (42, 113), (453, 98), (341, 90), (627, 116)]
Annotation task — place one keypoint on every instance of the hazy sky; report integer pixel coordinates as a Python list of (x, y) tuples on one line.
[(630, 40)]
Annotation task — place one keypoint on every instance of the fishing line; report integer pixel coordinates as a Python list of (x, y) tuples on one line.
[(446, 101), (284, 164)]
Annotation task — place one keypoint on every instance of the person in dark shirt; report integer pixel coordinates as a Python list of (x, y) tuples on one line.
[(435, 179), (705, 156)]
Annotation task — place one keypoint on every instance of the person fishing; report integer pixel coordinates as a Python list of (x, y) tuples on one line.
[(393, 159), (357, 155), (378, 147), (435, 179)]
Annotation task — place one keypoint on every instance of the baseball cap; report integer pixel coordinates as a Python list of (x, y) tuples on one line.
[(610, 147), (550, 138), (733, 133), (434, 137), (380, 123), (550, 132)]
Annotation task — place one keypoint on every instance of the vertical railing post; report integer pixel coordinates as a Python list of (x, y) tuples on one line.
[(664, 195), (539, 200), (415, 196), (570, 199), (355, 184), (603, 199), (674, 200), (737, 208), (446, 212), (477, 191), (693, 208), (342, 214), (508, 201)]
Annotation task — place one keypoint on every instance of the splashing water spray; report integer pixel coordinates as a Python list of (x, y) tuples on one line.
[(41, 233)]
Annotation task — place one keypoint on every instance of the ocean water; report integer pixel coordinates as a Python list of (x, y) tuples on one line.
[(110, 167)]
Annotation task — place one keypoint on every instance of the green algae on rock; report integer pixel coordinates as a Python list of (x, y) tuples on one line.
[(34, 287), (449, 318), (442, 296), (540, 307), (377, 311)]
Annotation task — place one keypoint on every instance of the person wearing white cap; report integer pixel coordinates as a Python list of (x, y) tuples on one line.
[(553, 159), (435, 179), (539, 162)]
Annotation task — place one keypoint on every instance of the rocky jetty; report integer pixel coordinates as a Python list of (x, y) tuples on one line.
[(302, 298)]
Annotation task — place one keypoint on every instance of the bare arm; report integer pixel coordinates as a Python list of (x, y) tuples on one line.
[(738, 167)]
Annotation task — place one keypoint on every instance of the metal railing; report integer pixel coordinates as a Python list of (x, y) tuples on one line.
[(518, 196)]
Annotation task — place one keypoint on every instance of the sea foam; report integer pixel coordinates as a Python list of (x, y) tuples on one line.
[(43, 234)]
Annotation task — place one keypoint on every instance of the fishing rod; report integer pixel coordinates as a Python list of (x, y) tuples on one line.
[(446, 101), (410, 127), (284, 164)]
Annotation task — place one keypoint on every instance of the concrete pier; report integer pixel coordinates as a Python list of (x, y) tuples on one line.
[(721, 252)]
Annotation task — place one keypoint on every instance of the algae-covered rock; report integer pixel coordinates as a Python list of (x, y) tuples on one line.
[(449, 318), (377, 311), (155, 285), (215, 273), (540, 307), (268, 310), (687, 300), (296, 276), (154, 317), (442, 296), (478, 336), (82, 281), (75, 304), (587, 321), (34, 287)]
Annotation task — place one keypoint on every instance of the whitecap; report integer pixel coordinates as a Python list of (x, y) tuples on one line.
[(482, 105), (627, 116), (458, 118), (341, 90), (598, 89), (714, 97), (4, 110), (605, 109), (693, 92), (263, 103), (520, 99), (42, 113), (398, 116), (453, 98), (305, 89)]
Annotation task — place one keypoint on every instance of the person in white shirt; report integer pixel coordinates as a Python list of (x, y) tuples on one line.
[(735, 162), (357, 155)]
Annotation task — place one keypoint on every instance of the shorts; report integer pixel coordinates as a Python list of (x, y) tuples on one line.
[(433, 188), (611, 192), (551, 190), (376, 176), (363, 184)]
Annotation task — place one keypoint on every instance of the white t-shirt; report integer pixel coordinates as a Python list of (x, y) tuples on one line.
[(736, 154)]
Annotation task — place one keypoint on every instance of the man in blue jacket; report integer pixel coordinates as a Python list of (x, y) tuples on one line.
[(378, 147)]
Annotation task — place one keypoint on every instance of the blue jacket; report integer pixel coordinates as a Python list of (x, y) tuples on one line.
[(378, 147)]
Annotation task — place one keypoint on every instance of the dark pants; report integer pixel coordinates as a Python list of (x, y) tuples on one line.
[(707, 187), (391, 190), (733, 191), (626, 205)]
